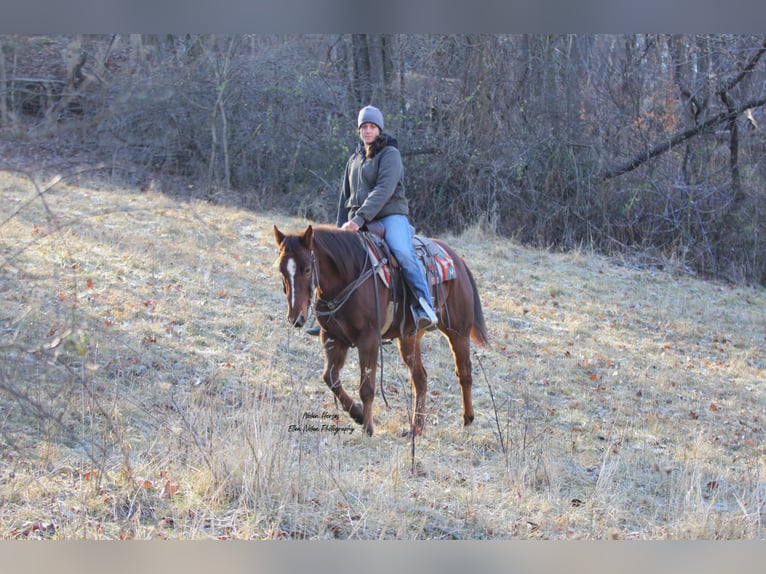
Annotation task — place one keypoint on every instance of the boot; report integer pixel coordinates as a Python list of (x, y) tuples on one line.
[(424, 315)]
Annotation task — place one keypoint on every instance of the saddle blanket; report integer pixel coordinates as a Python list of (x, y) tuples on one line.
[(436, 262)]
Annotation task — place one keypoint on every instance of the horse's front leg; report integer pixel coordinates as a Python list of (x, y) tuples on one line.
[(368, 364), (335, 354)]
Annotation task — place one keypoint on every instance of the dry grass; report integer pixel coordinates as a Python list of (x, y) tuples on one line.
[(148, 383)]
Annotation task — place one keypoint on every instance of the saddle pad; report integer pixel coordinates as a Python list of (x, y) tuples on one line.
[(374, 247), (444, 267), (437, 263)]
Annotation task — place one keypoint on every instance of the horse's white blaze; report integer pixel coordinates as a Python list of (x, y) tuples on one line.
[(291, 275)]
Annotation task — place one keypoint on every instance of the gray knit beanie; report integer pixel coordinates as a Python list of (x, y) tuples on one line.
[(372, 115)]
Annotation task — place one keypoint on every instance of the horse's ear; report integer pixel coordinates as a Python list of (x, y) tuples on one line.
[(307, 237), (278, 235)]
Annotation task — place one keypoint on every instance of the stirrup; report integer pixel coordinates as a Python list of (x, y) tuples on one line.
[(422, 318), (428, 310)]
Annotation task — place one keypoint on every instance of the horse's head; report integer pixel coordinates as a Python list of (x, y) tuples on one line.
[(296, 266)]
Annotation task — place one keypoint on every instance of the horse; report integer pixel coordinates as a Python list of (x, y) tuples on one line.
[(330, 271)]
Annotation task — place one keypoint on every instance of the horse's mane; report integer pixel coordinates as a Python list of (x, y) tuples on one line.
[(344, 248)]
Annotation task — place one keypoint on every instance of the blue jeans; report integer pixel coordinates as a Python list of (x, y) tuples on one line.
[(399, 239)]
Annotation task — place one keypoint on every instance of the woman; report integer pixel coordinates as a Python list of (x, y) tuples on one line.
[(373, 190)]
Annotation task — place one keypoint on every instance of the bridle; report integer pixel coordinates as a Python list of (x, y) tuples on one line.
[(334, 304)]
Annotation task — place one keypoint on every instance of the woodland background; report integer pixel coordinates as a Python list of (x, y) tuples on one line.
[(650, 146)]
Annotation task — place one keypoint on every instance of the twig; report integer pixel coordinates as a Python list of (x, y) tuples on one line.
[(408, 402), (494, 404)]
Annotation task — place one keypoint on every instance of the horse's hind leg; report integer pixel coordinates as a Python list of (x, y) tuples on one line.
[(461, 351), (409, 349), (334, 358)]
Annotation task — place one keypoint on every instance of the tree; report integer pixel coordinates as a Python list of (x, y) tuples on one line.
[(373, 72)]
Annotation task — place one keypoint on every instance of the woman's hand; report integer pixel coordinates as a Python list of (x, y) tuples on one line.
[(350, 226)]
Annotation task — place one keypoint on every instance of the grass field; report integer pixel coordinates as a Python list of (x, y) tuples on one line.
[(150, 388)]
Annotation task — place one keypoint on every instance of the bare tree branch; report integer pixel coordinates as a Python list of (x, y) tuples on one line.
[(748, 68), (680, 137)]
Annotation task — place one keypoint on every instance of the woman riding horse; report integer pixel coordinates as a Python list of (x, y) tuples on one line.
[(373, 190)]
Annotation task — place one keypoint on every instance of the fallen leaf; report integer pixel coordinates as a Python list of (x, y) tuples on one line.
[(169, 489)]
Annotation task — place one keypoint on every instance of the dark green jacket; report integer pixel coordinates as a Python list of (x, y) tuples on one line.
[(373, 188)]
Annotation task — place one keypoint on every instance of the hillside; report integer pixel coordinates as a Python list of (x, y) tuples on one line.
[(149, 380)]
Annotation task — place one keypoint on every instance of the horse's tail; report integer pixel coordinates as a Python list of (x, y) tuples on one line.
[(479, 328)]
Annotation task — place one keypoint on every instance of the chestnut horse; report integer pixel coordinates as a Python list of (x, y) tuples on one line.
[(331, 269)]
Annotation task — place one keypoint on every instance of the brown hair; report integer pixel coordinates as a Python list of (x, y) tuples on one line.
[(370, 151)]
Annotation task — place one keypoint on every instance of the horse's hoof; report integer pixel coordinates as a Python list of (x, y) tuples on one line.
[(356, 413)]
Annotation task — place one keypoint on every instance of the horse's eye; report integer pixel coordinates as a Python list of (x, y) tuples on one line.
[(307, 271)]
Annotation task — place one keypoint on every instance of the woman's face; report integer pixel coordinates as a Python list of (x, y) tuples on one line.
[(368, 132)]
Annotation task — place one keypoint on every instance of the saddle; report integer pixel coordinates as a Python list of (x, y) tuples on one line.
[(437, 263)]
